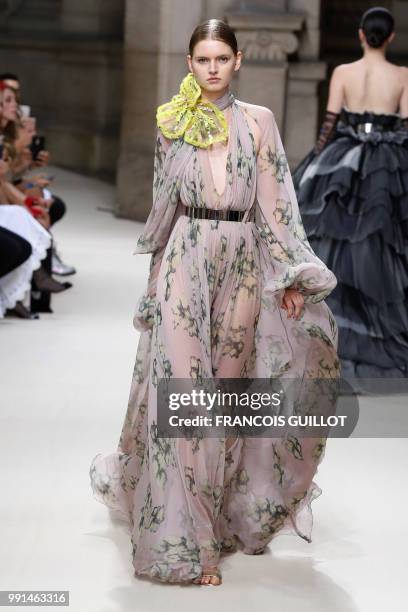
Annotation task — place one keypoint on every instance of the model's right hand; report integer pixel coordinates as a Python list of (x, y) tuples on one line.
[(293, 302)]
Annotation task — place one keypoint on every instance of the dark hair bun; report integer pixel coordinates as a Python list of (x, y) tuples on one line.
[(374, 40), (377, 24)]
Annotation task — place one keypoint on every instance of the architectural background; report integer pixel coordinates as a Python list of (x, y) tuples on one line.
[(94, 71)]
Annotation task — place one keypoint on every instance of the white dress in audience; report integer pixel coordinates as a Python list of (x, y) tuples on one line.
[(15, 284)]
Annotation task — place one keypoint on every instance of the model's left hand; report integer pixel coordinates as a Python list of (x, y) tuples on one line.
[(293, 302)]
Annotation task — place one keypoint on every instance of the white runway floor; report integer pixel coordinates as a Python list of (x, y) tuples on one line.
[(64, 388)]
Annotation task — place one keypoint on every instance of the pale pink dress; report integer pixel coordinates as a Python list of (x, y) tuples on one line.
[(212, 308)]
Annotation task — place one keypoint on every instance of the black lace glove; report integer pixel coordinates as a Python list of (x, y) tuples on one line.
[(404, 122), (327, 131)]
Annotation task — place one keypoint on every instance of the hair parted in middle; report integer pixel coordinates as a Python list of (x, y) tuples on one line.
[(214, 29)]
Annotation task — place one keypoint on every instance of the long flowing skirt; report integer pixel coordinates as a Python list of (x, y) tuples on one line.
[(353, 199), (189, 501)]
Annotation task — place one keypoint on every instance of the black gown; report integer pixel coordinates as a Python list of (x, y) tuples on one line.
[(353, 199)]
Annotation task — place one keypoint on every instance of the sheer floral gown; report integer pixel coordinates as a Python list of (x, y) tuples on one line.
[(212, 309)]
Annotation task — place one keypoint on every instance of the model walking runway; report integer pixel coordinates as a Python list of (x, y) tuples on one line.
[(229, 256)]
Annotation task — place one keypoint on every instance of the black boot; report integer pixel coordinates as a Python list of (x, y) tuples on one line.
[(41, 300), (45, 282), (22, 312)]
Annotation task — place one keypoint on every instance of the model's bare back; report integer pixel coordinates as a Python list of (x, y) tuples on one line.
[(377, 86)]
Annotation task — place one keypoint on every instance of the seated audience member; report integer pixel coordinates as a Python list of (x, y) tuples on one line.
[(26, 216), (30, 161), (14, 251)]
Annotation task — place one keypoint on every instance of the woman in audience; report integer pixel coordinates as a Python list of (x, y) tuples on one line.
[(14, 251), (23, 245), (9, 106), (23, 216), (26, 162)]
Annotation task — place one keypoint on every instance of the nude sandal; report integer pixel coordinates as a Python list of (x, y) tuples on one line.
[(215, 573)]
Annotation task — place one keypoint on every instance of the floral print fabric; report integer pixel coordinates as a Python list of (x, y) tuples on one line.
[(212, 309)]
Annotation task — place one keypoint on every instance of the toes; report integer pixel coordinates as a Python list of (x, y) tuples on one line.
[(207, 579)]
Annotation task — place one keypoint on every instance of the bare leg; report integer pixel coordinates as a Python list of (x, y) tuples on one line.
[(229, 362)]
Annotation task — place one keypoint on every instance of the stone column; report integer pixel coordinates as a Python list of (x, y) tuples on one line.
[(302, 116), (280, 40), (309, 36), (156, 40), (266, 40), (92, 16)]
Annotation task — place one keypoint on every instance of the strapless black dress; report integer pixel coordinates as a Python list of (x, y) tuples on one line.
[(353, 198)]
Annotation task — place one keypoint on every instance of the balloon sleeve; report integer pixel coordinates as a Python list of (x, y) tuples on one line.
[(280, 226)]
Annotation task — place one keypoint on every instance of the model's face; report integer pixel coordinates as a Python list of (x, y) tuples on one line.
[(213, 64), (9, 110)]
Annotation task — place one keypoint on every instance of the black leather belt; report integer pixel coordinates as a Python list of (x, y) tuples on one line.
[(195, 212)]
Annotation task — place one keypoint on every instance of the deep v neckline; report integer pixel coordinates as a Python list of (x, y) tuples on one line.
[(226, 164)]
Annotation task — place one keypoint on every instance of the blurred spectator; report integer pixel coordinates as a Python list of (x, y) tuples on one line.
[(38, 158), (25, 218)]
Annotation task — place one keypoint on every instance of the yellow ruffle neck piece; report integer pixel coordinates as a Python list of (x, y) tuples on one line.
[(200, 122)]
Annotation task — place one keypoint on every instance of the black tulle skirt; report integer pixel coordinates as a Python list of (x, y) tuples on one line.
[(353, 199)]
